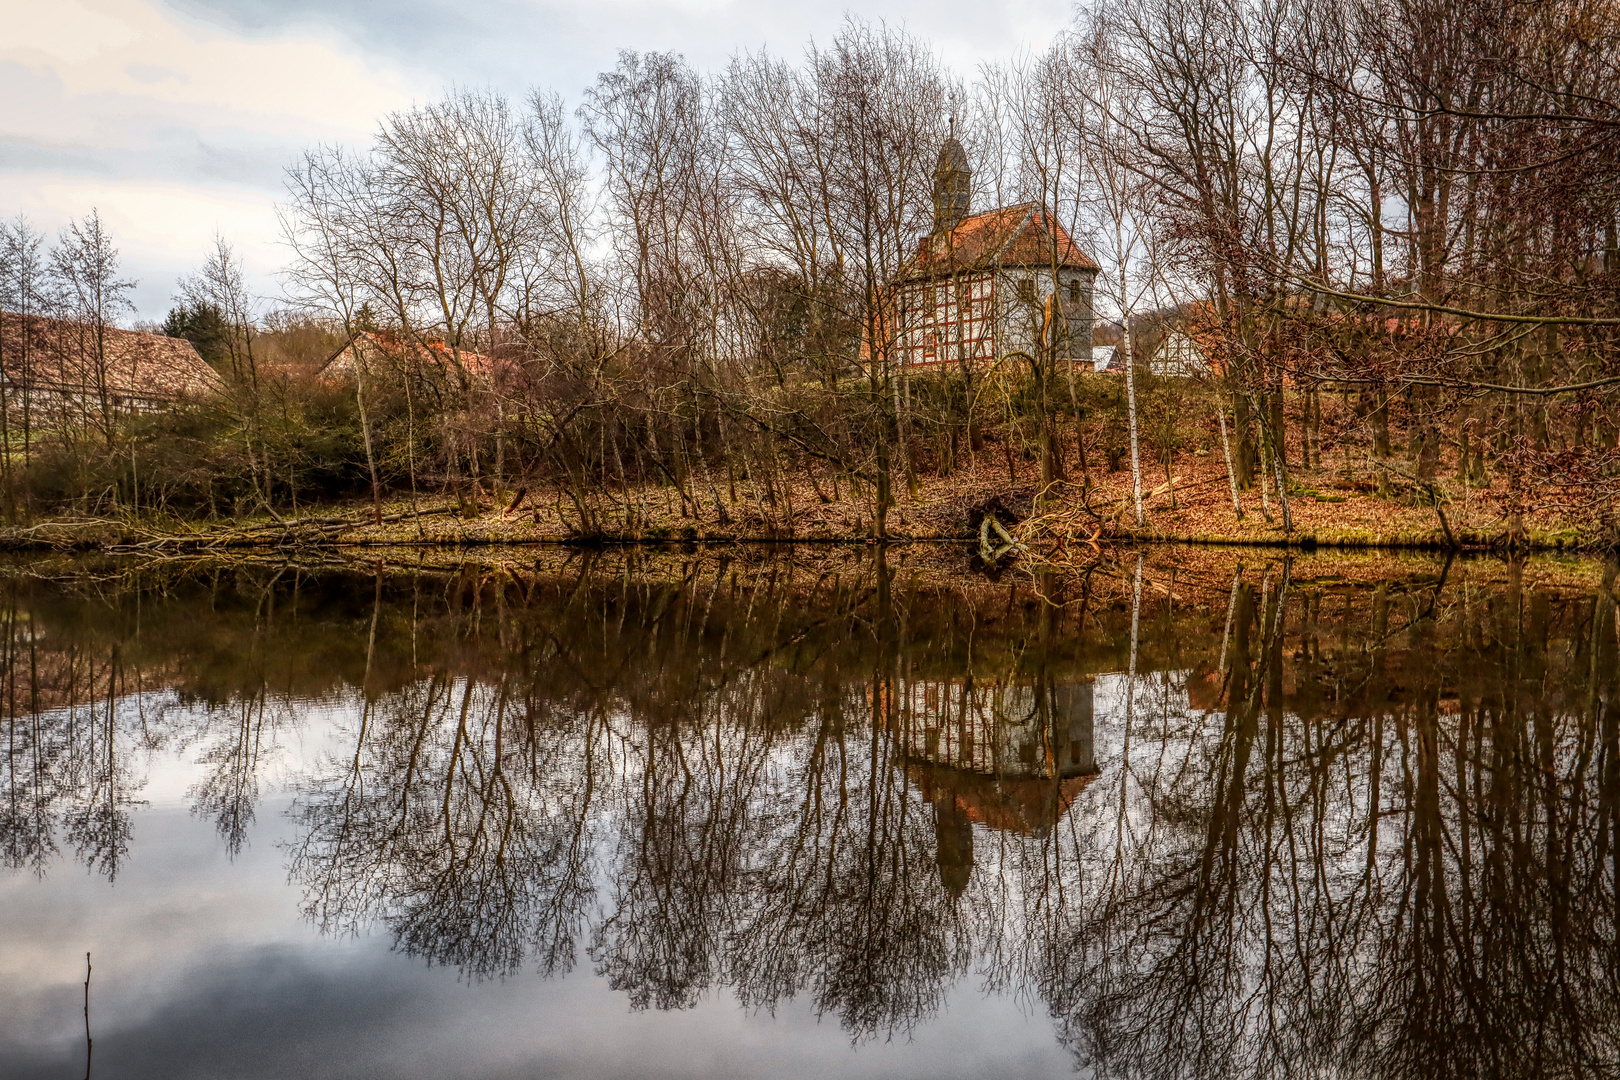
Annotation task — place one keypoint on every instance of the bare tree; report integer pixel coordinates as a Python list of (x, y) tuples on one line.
[(29, 266), (1043, 129), (219, 285), (880, 101), (23, 268), (91, 295)]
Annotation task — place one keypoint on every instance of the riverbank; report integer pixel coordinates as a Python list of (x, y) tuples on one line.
[(1113, 577), (1192, 505)]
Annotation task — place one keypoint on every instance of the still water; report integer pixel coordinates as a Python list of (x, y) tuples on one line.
[(821, 813)]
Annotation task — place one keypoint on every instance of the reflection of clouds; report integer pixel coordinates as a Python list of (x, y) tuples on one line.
[(170, 910), (200, 974), (74, 775), (176, 743)]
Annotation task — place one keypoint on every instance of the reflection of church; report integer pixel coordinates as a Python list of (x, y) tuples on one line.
[(1009, 757)]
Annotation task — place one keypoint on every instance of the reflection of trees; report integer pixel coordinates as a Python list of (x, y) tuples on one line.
[(64, 772), (843, 903), (1428, 891), (692, 743), (1337, 831), (95, 673), (237, 736), (458, 824), (229, 792)]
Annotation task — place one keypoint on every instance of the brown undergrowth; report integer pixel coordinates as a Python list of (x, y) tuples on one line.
[(1190, 503)]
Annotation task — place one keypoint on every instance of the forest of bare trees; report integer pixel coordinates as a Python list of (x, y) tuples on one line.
[(1390, 227)]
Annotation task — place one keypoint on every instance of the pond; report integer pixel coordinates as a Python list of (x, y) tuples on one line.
[(812, 812)]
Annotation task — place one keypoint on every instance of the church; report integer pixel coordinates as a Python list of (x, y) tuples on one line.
[(983, 286)]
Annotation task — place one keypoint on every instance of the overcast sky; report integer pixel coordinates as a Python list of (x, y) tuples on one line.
[(175, 117)]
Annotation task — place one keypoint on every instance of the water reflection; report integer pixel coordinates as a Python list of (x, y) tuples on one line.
[(1263, 821)]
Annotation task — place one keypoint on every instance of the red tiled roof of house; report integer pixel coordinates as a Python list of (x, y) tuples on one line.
[(61, 356), (476, 365), (1023, 235), (1220, 344)]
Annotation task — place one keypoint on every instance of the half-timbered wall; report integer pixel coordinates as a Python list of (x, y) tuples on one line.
[(949, 319)]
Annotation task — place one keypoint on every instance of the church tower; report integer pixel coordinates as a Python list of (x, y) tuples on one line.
[(953, 182)]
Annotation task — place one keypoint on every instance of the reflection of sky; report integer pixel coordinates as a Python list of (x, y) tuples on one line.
[(294, 738), (205, 968)]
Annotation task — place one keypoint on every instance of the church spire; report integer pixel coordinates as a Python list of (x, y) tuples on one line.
[(953, 181)]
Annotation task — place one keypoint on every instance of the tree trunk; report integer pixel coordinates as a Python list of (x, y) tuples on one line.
[(1130, 406)]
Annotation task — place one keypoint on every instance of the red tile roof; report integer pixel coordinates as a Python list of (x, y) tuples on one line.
[(1023, 235), (341, 365), (61, 358)]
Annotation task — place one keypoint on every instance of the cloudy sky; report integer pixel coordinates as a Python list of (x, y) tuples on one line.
[(174, 117)]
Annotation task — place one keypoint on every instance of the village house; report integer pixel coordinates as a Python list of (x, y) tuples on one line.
[(47, 363), (984, 286), (1195, 345), (1179, 356), (369, 348)]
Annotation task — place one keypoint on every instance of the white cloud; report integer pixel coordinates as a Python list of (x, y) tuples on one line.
[(172, 129), (175, 117), (162, 229), (99, 63)]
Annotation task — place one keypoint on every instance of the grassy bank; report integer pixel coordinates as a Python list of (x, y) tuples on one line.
[(1194, 505)]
